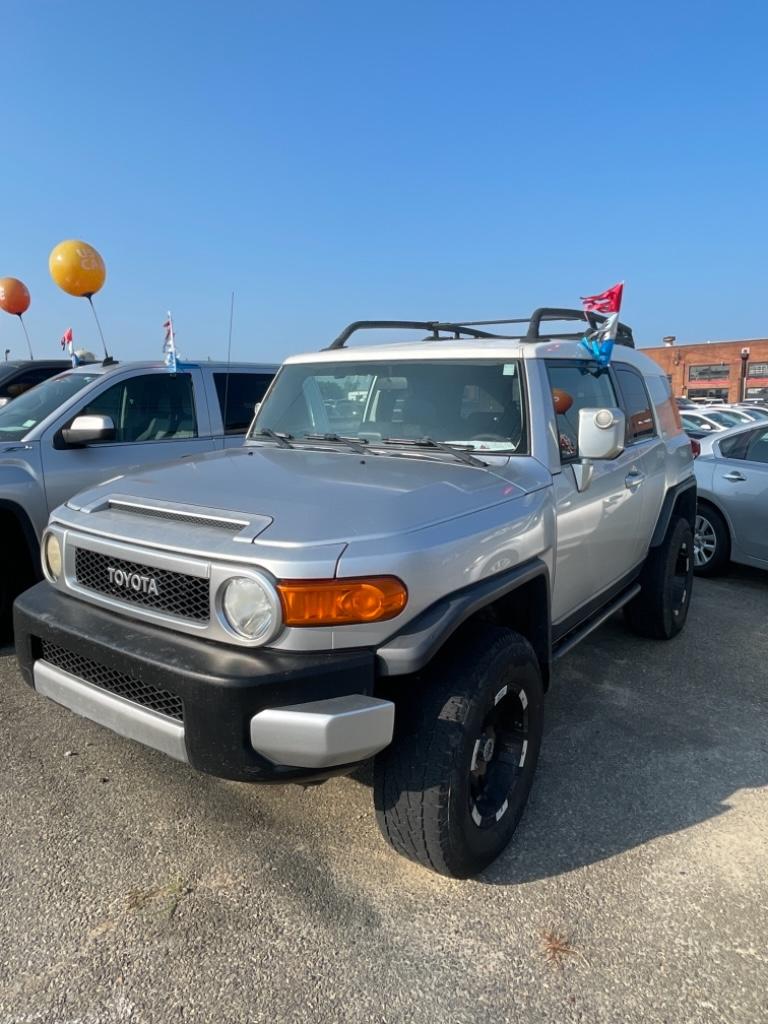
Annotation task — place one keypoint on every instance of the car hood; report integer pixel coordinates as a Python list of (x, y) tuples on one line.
[(307, 497)]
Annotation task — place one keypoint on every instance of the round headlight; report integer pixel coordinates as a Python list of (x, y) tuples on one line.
[(52, 553), (251, 607)]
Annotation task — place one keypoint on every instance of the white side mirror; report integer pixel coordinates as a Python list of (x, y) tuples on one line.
[(256, 409), (601, 433), (87, 429)]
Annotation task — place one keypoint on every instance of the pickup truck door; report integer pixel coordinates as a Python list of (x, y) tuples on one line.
[(597, 529), (740, 481), (158, 417)]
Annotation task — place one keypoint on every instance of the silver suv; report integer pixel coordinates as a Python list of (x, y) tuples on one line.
[(100, 420), (410, 536)]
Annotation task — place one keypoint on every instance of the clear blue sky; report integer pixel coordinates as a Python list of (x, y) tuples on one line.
[(336, 160)]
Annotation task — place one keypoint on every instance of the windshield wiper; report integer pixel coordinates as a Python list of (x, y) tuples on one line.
[(352, 442), (281, 440), (429, 442)]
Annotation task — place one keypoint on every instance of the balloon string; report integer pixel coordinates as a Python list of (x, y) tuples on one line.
[(26, 335), (101, 333)]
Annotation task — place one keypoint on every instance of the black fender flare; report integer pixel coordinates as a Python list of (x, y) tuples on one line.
[(668, 506), (418, 641)]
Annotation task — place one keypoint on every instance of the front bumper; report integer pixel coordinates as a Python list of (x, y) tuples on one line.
[(257, 715)]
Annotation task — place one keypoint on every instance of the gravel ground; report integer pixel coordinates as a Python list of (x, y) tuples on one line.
[(134, 890)]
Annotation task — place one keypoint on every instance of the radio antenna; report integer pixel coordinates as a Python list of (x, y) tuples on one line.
[(229, 364)]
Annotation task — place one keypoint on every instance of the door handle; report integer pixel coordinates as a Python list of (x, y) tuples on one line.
[(735, 476), (633, 480)]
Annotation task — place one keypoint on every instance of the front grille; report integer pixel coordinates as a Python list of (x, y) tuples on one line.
[(175, 593), (233, 525), (119, 683)]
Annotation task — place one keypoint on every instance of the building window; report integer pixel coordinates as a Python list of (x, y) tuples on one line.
[(710, 371), (757, 370), (708, 393)]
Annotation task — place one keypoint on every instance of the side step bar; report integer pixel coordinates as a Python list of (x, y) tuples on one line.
[(576, 635)]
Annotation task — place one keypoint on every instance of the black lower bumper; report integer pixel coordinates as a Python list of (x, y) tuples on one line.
[(220, 688)]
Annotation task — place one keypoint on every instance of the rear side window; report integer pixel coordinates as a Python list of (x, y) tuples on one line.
[(22, 382), (574, 387), (239, 396), (751, 446), (636, 404), (150, 407)]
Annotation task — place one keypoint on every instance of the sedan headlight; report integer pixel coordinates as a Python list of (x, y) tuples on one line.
[(52, 556), (251, 607)]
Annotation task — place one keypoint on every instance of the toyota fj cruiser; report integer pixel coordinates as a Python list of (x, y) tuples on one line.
[(388, 567)]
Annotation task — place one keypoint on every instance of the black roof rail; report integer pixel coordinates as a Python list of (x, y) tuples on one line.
[(434, 326), (471, 328)]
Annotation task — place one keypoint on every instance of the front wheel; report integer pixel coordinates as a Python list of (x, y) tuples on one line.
[(451, 788)]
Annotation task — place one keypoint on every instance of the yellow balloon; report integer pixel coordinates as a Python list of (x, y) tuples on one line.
[(77, 268)]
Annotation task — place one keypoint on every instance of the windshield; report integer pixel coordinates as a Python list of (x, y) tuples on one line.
[(477, 404), (23, 413), (725, 419)]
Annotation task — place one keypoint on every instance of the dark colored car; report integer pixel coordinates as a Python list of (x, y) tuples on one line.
[(19, 375)]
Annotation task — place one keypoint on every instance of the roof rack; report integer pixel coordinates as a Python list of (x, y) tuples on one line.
[(446, 330)]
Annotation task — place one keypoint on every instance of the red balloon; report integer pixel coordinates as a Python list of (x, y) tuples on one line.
[(14, 296)]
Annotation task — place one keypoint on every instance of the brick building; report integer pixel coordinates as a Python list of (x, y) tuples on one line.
[(730, 370)]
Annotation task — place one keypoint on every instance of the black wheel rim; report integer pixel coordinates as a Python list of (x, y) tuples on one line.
[(498, 757), (680, 584)]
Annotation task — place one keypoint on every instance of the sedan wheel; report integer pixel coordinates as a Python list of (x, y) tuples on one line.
[(704, 542), (711, 542)]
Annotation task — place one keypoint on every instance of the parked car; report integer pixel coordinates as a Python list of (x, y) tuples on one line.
[(699, 423), (684, 403), (725, 416), (754, 412), (706, 400), (732, 511), (98, 421), (19, 375), (390, 580)]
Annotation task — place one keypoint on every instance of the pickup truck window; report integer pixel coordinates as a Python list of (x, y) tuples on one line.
[(24, 413), (240, 396), (588, 388), (149, 407), (473, 403)]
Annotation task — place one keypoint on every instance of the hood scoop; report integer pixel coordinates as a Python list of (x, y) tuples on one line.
[(245, 528)]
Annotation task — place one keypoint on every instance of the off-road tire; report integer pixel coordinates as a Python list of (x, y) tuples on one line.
[(428, 784), (660, 609), (712, 526)]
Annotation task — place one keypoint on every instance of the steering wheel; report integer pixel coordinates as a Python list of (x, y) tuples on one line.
[(488, 437)]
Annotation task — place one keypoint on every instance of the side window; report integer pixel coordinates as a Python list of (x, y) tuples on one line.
[(736, 447), (636, 404), (24, 381), (757, 450), (150, 407), (240, 395), (576, 387)]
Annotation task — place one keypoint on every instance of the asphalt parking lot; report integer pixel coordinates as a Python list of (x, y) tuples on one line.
[(134, 890)]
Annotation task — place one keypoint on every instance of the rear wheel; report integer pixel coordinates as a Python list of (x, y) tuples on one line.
[(660, 609), (451, 788), (711, 543)]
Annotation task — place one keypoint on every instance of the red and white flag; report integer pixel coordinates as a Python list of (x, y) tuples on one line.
[(66, 342), (606, 302)]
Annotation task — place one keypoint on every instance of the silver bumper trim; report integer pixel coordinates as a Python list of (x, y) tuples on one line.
[(119, 715), (324, 733)]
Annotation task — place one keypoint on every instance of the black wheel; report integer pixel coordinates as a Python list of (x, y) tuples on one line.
[(661, 608), (711, 542), (451, 788), (7, 595)]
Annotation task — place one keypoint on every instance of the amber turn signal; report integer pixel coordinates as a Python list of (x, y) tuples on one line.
[(341, 602)]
